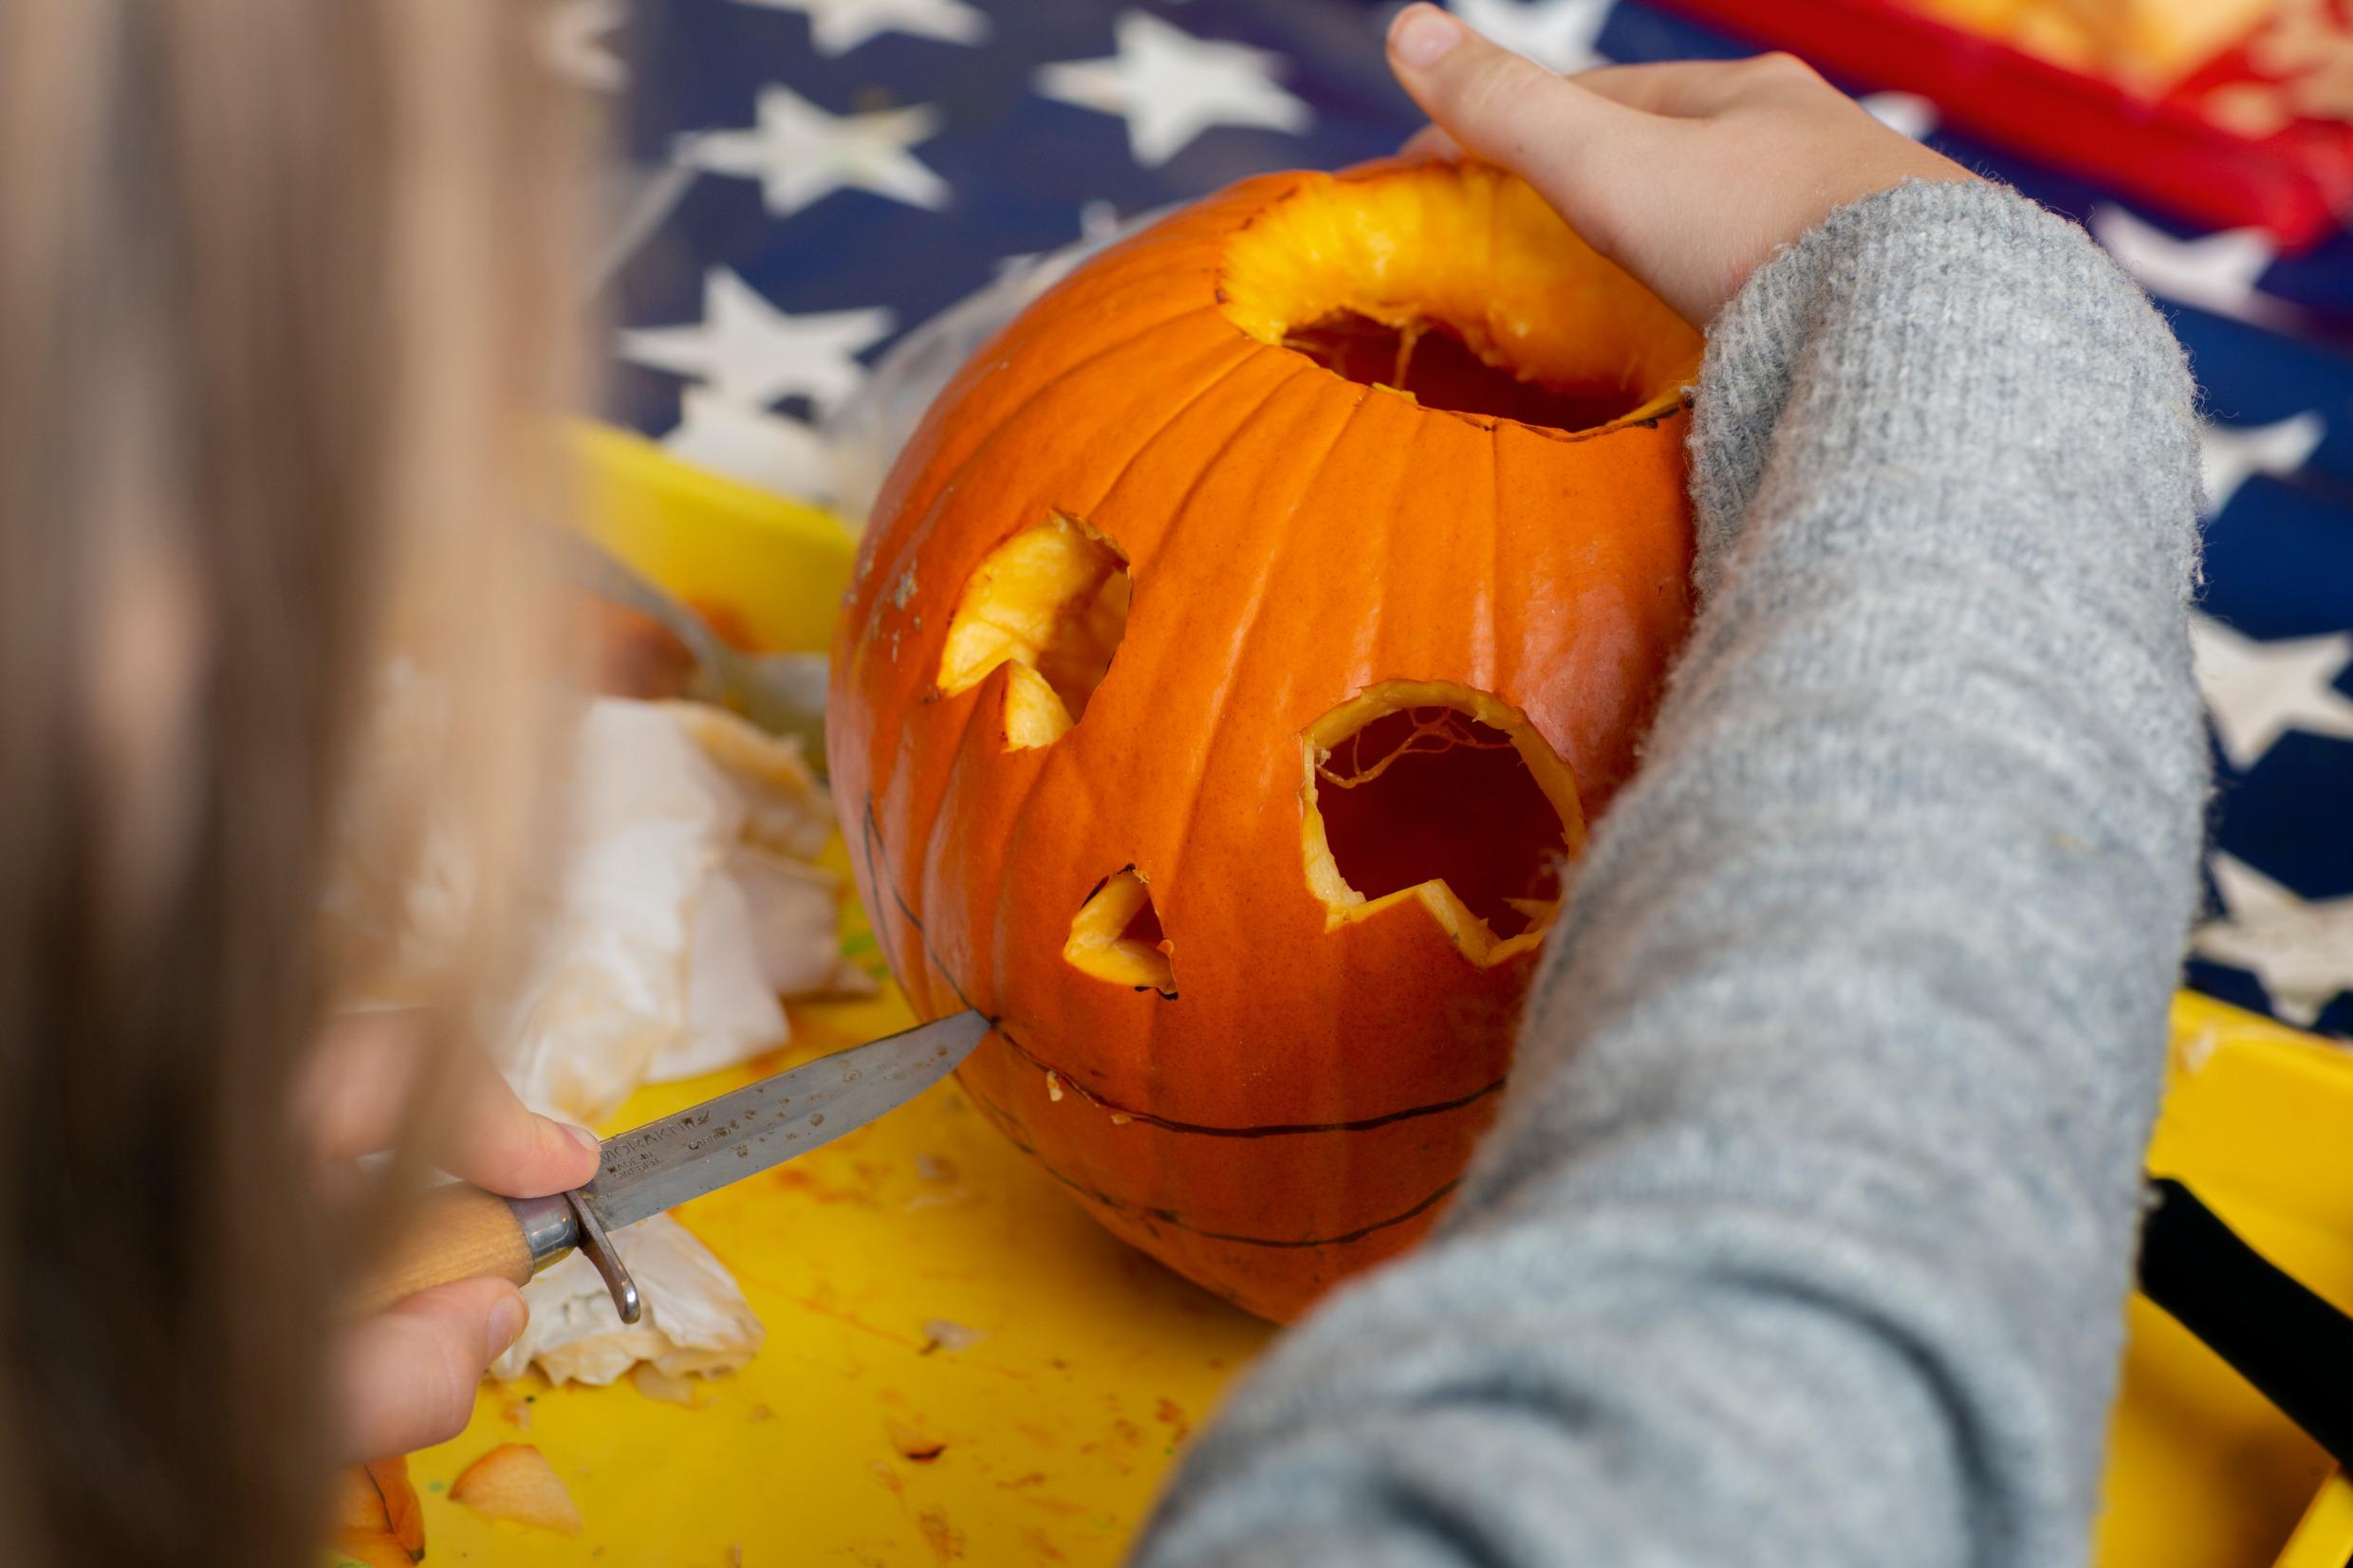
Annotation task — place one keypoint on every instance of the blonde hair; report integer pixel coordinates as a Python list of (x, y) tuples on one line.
[(282, 287)]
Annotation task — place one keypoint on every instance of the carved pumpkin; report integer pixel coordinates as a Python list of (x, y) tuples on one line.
[(1239, 652)]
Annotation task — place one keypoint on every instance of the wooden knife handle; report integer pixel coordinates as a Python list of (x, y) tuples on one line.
[(455, 1231)]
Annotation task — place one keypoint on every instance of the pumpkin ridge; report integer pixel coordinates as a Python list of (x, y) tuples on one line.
[(1081, 517), (1249, 353), (1376, 619), (934, 864), (1010, 1126), (915, 540), (1159, 1024), (1017, 824), (883, 879), (1182, 504)]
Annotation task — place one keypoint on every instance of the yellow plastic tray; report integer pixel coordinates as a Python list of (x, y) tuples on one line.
[(1059, 1424), (2203, 1473)]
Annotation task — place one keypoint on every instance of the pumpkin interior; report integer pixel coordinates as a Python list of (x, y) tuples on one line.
[(1460, 288), (1433, 792), (1052, 601), (1430, 362), (1429, 793)]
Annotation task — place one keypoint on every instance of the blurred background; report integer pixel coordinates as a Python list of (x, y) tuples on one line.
[(803, 184)]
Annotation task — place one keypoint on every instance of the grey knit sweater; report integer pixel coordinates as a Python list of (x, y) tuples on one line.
[(1802, 1238)]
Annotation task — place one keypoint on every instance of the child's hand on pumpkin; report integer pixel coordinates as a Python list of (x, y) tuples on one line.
[(1690, 175)]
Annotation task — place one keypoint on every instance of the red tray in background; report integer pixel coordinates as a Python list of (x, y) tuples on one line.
[(2297, 183)]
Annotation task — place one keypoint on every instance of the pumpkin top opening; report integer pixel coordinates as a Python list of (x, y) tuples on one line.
[(1466, 261)]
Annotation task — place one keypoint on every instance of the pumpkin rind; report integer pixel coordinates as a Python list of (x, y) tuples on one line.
[(1304, 1104)]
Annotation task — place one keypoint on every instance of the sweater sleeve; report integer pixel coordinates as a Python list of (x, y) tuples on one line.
[(1804, 1232)]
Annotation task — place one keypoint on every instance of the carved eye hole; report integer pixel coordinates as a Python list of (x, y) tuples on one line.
[(1052, 601), (1117, 937), (1432, 792)]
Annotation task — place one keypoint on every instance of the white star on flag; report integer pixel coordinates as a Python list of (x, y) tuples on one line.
[(2259, 690), (2229, 456), (2302, 952), (2217, 272), (1556, 34), (765, 449), (837, 26), (571, 41), (750, 353), (1170, 86), (1907, 113), (801, 153)]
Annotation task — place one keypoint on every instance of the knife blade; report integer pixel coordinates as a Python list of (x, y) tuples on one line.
[(664, 1163), (461, 1231)]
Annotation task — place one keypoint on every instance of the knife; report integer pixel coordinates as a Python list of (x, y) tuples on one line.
[(461, 1232), (783, 694)]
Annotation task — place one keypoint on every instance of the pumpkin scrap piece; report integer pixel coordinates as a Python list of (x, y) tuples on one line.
[(515, 1482), (377, 1519), (914, 1444), (947, 1334)]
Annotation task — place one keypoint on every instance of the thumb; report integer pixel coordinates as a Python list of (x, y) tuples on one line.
[(406, 1377), (1507, 110)]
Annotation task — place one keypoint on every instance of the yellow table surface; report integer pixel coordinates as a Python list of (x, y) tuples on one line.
[(1057, 1426)]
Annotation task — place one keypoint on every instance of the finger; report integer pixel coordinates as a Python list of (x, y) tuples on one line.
[(1572, 145), (362, 1085), (1490, 100), (502, 1147), (405, 1378), (356, 1088), (1431, 144)]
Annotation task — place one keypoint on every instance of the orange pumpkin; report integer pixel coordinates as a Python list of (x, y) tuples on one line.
[(1239, 651)]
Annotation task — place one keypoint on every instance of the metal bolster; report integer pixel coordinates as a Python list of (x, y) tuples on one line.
[(606, 1257), (548, 1228)]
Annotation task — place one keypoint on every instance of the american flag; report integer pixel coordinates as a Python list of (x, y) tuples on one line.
[(803, 182)]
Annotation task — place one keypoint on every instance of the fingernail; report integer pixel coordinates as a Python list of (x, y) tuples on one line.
[(507, 1320), (1424, 33), (584, 1138)]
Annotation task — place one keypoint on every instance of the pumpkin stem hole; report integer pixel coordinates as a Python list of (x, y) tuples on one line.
[(1051, 602), (1117, 937), (1432, 794), (1431, 362)]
